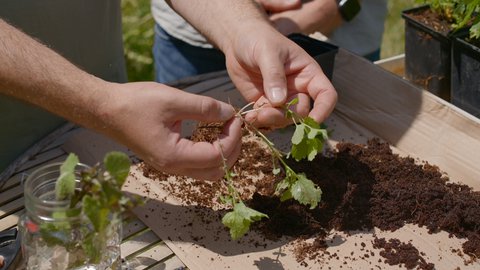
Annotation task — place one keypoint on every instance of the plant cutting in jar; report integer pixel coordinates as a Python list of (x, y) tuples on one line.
[(307, 142), (84, 223)]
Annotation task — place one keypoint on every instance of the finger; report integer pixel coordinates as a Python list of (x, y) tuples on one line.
[(201, 108), (214, 173), (271, 65), (325, 97), (268, 117), (280, 5), (211, 173), (311, 79), (189, 154)]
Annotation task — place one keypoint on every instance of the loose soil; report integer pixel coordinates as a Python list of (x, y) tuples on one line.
[(364, 186), (433, 20)]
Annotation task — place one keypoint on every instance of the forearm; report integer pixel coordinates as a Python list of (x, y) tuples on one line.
[(31, 72), (221, 21)]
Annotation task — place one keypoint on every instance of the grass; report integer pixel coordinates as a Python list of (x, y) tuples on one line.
[(393, 42), (138, 35)]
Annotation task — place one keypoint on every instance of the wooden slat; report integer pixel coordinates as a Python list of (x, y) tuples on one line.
[(173, 263), (11, 207), (17, 178), (10, 220), (41, 159), (131, 228), (11, 194), (149, 255), (61, 140), (139, 241)]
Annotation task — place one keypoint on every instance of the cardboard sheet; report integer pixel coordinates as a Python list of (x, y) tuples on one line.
[(372, 103)]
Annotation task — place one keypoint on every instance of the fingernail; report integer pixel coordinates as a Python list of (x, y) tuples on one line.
[(277, 95), (226, 112)]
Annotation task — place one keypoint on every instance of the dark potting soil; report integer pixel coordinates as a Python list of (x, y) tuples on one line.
[(364, 186), (432, 19)]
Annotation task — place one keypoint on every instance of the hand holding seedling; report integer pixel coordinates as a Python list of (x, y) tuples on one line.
[(307, 141)]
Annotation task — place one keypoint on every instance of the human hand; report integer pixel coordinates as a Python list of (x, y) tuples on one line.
[(147, 118), (273, 6), (269, 69), (312, 16)]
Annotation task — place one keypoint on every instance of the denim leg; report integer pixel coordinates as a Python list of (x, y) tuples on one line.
[(175, 59)]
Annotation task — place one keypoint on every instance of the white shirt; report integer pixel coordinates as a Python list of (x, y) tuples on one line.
[(362, 35)]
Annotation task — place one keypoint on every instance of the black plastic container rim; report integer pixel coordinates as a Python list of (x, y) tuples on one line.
[(442, 37), (312, 46), (473, 50)]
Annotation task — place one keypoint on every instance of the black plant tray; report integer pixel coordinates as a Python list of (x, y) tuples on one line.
[(323, 52), (466, 75), (427, 55)]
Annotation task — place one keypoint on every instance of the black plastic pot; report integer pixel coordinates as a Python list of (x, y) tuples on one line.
[(323, 52), (427, 55), (466, 75)]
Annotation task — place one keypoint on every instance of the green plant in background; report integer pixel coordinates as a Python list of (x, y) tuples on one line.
[(138, 33), (459, 13)]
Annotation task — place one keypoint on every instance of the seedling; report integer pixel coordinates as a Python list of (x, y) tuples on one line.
[(460, 13), (96, 195), (307, 141)]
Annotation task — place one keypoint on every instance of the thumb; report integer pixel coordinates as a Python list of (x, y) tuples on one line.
[(203, 108), (274, 79), (280, 5)]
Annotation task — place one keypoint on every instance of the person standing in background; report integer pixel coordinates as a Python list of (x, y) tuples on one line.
[(180, 50)]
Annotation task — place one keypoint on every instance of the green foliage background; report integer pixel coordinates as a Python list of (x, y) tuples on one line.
[(138, 35)]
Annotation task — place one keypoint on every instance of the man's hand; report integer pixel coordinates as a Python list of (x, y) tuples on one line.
[(147, 117), (274, 6), (313, 16), (266, 67), (270, 69)]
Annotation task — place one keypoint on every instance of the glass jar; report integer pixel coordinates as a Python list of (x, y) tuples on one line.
[(55, 237)]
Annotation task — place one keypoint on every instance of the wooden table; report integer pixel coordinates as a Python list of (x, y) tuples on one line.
[(140, 248)]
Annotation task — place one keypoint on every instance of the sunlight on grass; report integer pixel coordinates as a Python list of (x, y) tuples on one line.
[(393, 38)]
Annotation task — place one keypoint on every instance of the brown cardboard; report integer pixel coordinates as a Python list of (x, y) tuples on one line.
[(372, 103)]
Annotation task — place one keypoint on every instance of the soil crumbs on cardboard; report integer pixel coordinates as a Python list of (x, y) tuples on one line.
[(364, 186)]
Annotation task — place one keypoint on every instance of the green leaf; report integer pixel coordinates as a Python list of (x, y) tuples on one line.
[(286, 195), (475, 31), (306, 192), (95, 212), (92, 245), (65, 185), (118, 166), (298, 135), (276, 171), (239, 220), (310, 122), (314, 147), (314, 132), (299, 151)]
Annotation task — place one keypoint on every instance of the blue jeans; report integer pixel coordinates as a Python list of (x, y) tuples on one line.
[(175, 59)]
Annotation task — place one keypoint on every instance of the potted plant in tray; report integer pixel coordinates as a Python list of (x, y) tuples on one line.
[(428, 44), (466, 61), (73, 216)]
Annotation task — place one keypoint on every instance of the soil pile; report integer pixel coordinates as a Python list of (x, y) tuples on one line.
[(364, 186)]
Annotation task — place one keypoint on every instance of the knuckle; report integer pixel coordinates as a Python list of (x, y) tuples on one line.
[(209, 107)]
